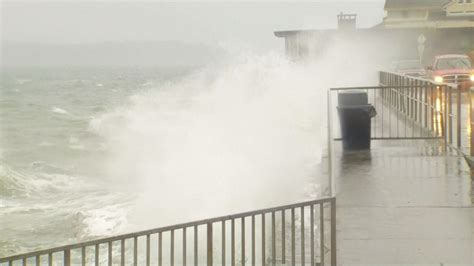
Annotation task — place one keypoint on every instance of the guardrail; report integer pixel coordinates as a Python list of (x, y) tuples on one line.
[(444, 109), (416, 108), (315, 220)]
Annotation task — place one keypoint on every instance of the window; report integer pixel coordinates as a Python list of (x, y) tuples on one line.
[(453, 63), (468, 1), (461, 1)]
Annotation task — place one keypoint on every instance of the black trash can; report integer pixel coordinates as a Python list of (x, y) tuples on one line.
[(355, 114)]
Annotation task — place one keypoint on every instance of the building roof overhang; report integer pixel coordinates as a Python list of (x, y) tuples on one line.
[(416, 4), (441, 25)]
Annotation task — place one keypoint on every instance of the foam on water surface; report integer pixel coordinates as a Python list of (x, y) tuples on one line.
[(245, 134)]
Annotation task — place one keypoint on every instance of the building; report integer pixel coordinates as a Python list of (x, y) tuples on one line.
[(428, 13), (410, 29)]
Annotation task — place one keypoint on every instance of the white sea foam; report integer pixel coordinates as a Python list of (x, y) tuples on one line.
[(237, 136), (240, 136), (58, 110), (108, 220)]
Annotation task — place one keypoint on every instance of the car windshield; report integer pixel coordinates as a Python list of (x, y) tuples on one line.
[(414, 64), (454, 63)]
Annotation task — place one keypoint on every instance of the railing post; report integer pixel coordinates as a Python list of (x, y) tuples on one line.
[(122, 253), (209, 244), (439, 110), (445, 122), (147, 251), (426, 102), (471, 120), (331, 183), (135, 251), (333, 233), (97, 255), (50, 259), (450, 112), (67, 257), (172, 247), (458, 118)]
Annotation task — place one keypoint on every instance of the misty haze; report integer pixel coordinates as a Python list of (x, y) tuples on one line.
[(237, 132)]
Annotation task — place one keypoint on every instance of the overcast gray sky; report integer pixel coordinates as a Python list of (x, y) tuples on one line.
[(251, 23)]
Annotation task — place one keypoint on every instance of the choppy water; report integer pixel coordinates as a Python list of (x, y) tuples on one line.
[(93, 152), (51, 165)]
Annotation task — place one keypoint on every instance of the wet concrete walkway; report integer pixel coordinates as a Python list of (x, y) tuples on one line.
[(404, 203)]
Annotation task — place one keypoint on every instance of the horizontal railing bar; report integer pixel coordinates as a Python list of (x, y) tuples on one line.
[(397, 138), (412, 78), (388, 87), (163, 229), (417, 78), (407, 138)]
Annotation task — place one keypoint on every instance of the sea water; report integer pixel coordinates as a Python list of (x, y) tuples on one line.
[(91, 152), (51, 186)]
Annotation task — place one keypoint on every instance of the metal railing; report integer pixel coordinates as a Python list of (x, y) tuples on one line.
[(303, 232), (444, 110), (414, 108)]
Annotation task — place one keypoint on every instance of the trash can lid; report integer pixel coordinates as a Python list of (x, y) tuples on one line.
[(353, 97), (368, 108)]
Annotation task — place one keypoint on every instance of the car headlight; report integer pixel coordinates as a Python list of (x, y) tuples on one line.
[(472, 77), (438, 79)]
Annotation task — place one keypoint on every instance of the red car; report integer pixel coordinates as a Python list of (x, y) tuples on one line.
[(452, 68)]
